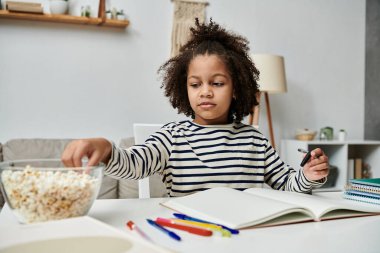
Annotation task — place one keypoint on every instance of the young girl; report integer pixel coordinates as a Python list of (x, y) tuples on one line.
[(214, 81)]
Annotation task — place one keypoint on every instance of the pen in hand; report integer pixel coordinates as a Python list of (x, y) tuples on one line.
[(306, 158), (166, 231)]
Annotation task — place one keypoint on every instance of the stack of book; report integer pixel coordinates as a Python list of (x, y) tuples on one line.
[(363, 190), (358, 169)]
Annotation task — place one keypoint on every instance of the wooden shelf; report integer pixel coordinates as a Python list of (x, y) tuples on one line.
[(115, 23), (339, 152), (63, 19)]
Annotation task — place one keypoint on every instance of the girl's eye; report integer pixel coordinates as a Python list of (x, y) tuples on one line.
[(217, 83), (194, 85)]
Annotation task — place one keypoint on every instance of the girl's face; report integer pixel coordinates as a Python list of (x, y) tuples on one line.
[(210, 90)]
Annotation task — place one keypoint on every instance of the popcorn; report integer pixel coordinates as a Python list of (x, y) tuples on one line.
[(37, 195)]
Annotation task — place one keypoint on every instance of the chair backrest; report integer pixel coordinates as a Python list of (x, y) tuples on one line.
[(141, 134)]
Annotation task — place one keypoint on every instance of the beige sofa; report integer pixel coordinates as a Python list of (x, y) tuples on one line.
[(111, 188)]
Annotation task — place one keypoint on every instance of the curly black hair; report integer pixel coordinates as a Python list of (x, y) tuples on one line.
[(232, 49)]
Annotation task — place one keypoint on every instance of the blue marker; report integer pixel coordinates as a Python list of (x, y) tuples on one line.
[(185, 217), (166, 231)]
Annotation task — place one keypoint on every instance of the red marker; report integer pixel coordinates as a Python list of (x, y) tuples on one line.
[(193, 230), (133, 226)]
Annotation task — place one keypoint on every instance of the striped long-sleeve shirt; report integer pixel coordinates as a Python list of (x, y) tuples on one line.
[(194, 157)]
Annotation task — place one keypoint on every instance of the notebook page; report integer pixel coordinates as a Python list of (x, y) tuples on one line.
[(230, 207), (318, 205)]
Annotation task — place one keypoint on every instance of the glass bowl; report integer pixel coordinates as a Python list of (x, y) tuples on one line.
[(43, 190)]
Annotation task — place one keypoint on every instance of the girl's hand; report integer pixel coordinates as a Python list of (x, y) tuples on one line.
[(317, 167), (96, 149)]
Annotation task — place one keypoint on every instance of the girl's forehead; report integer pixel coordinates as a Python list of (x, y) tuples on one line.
[(207, 66), (209, 60), (207, 56)]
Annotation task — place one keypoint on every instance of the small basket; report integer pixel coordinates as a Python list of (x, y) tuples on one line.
[(305, 137), (305, 134)]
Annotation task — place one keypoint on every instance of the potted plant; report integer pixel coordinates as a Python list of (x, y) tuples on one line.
[(59, 6), (108, 14), (85, 11), (120, 15)]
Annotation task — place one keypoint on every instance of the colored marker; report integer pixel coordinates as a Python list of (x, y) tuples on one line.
[(191, 229), (166, 231), (133, 226), (225, 233), (185, 217)]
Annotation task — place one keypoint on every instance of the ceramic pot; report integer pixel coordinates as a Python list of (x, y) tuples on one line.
[(58, 6), (120, 17)]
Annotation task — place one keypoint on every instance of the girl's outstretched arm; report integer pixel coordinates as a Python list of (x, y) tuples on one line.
[(95, 149)]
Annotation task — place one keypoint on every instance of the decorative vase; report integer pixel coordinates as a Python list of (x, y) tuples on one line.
[(58, 6)]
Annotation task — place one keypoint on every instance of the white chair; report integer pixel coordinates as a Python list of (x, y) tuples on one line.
[(141, 133)]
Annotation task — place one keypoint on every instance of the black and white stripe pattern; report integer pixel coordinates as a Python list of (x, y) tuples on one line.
[(192, 158)]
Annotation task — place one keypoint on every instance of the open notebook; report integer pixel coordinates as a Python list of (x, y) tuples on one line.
[(263, 207)]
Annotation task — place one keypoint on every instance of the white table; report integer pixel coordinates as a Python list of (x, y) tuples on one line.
[(345, 235)]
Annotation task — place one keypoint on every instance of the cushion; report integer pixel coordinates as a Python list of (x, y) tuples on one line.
[(17, 149), (129, 188), (50, 148)]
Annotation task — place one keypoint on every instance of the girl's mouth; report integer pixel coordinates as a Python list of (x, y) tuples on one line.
[(206, 105)]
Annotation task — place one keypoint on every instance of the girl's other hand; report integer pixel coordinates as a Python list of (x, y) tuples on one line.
[(318, 165), (96, 149)]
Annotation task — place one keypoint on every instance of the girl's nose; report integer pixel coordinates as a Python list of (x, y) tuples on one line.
[(206, 91)]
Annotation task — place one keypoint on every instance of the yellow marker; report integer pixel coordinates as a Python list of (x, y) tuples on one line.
[(225, 233)]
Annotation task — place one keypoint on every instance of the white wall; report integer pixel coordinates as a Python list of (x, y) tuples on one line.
[(59, 80)]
